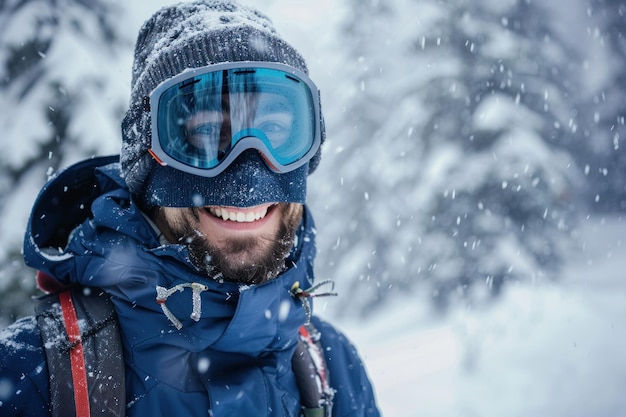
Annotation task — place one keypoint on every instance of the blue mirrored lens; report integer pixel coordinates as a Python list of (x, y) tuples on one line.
[(202, 119)]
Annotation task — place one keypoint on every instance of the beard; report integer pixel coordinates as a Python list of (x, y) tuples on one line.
[(244, 259)]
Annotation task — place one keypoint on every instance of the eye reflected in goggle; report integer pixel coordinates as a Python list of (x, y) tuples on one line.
[(207, 135), (272, 115)]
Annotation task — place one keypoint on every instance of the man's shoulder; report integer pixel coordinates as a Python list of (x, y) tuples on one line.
[(354, 393), (23, 371), (20, 339)]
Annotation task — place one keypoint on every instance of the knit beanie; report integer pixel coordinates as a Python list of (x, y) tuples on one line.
[(190, 35)]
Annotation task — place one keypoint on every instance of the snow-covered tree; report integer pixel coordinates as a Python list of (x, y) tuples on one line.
[(603, 105), (453, 151), (57, 105)]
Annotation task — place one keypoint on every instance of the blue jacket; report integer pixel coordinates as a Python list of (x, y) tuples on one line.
[(234, 359)]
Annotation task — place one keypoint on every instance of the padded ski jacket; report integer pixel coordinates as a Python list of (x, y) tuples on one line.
[(222, 349)]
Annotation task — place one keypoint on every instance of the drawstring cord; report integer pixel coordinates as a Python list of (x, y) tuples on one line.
[(305, 295), (296, 292), (163, 294)]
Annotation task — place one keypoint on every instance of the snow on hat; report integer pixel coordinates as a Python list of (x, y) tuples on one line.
[(190, 35)]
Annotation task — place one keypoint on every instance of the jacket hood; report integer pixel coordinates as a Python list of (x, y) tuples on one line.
[(85, 229)]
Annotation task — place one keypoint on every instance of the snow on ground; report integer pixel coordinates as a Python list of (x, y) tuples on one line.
[(542, 350)]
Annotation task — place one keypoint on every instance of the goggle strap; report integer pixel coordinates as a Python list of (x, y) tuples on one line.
[(156, 158)]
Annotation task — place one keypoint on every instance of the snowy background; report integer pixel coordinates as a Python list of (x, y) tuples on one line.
[(469, 199), (541, 350)]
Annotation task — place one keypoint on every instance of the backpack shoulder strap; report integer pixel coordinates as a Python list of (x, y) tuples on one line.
[(312, 377), (84, 354)]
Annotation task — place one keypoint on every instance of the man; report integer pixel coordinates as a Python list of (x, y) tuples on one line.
[(199, 235)]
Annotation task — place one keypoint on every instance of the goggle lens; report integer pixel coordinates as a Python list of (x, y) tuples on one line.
[(204, 120)]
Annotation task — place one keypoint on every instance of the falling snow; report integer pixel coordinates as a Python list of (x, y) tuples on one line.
[(447, 175)]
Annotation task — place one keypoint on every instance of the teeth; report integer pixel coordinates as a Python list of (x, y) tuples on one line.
[(238, 216)]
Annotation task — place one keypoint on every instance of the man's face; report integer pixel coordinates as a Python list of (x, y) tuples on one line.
[(247, 245)]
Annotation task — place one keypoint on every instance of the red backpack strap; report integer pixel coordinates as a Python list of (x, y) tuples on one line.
[(83, 350), (312, 377), (77, 358)]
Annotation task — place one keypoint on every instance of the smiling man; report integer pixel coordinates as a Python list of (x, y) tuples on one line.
[(252, 123), (181, 271)]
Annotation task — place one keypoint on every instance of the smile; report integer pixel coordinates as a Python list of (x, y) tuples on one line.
[(240, 215)]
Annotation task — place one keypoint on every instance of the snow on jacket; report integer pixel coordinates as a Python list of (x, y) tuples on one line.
[(234, 359)]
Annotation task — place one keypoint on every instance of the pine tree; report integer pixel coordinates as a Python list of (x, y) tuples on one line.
[(57, 105), (455, 154)]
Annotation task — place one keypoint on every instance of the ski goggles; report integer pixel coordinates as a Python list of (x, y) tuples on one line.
[(204, 118)]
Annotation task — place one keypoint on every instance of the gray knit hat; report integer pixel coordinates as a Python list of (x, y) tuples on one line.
[(191, 35)]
